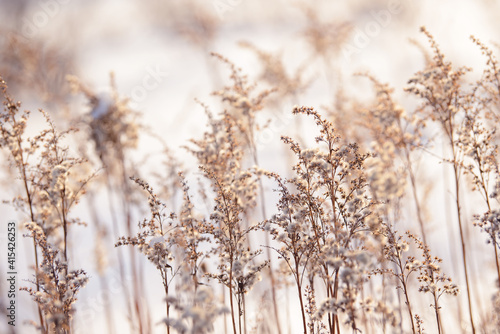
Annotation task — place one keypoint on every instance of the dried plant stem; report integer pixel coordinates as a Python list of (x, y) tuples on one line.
[(225, 313), (242, 296), (331, 292), (438, 316), (271, 274), (167, 301), (486, 194), (102, 280), (299, 291), (496, 258), (40, 316), (32, 216), (65, 227), (267, 239), (229, 225), (336, 280), (400, 311), (230, 287), (297, 254), (405, 291), (453, 243), (298, 280), (121, 262), (136, 287), (446, 99), (133, 265), (413, 182), (459, 214), (268, 254), (495, 248), (240, 313), (334, 322)]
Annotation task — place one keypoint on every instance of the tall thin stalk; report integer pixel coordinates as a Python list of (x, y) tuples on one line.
[(35, 248), (21, 164), (121, 259), (456, 172), (440, 87)]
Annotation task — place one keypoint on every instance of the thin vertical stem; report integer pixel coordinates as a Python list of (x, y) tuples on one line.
[(121, 261), (403, 279), (167, 301), (415, 196), (459, 214), (496, 258), (486, 194), (225, 313), (436, 309), (244, 313), (267, 239), (452, 245), (299, 291), (407, 298), (464, 252), (240, 311), (231, 299), (35, 248), (133, 264), (335, 321)]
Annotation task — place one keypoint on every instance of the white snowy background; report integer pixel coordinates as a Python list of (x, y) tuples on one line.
[(134, 38)]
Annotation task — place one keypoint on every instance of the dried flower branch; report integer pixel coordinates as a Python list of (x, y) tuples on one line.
[(52, 188)]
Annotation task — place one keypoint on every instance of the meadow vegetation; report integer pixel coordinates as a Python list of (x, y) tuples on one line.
[(340, 243)]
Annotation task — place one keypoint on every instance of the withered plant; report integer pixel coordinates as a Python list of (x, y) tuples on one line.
[(113, 129), (322, 226), (440, 86), (52, 186)]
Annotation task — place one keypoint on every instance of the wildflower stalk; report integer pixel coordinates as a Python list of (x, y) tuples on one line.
[(229, 226), (440, 88), (50, 194), (167, 302), (456, 172), (113, 131), (35, 247), (431, 279), (121, 260), (389, 124), (299, 291), (157, 249), (267, 239), (12, 109), (393, 252), (413, 183), (480, 180), (478, 138), (296, 244), (404, 281), (245, 106), (108, 307)]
